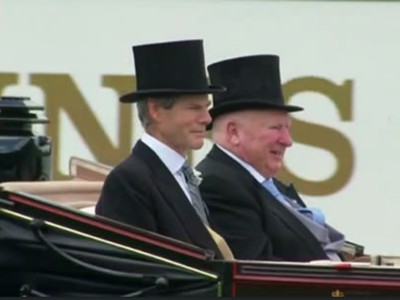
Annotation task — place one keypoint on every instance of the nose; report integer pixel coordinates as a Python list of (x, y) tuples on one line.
[(285, 138), (206, 117)]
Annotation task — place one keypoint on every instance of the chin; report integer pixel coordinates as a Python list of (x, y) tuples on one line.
[(275, 170), (197, 146)]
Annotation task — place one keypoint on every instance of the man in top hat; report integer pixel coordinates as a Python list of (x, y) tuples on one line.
[(259, 217), (154, 188)]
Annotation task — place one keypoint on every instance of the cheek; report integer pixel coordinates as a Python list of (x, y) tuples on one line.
[(255, 150), (261, 146), (259, 141), (185, 121), (181, 123)]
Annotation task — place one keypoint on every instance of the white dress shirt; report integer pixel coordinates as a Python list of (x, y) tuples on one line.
[(172, 160), (245, 165)]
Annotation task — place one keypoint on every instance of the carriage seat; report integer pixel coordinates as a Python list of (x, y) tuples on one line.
[(77, 194)]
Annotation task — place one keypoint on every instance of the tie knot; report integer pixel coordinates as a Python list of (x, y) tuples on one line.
[(270, 186), (188, 173), (186, 168)]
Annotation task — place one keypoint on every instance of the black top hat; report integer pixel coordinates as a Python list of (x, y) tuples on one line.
[(170, 68), (252, 82)]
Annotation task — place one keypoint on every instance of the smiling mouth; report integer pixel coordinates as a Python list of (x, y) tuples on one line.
[(199, 135), (277, 153)]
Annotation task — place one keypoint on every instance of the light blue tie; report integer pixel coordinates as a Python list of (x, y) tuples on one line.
[(270, 186), (313, 213)]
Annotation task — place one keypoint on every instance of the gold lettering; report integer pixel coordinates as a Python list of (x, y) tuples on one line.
[(121, 84), (7, 79), (62, 94), (322, 136)]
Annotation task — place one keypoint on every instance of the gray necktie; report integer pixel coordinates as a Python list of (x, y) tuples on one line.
[(197, 202)]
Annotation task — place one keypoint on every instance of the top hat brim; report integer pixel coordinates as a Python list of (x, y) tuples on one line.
[(15, 103), (252, 104), (24, 120), (143, 94)]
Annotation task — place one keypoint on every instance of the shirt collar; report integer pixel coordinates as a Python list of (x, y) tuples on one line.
[(172, 159), (244, 164)]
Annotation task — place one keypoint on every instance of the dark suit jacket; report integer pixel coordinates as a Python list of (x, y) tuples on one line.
[(254, 224), (142, 192)]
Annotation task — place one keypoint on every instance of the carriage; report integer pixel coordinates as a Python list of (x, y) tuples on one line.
[(52, 243)]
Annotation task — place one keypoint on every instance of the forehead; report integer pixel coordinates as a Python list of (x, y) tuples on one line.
[(190, 100), (267, 115), (192, 97), (185, 100)]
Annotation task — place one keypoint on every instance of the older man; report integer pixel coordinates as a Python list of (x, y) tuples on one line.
[(260, 217)]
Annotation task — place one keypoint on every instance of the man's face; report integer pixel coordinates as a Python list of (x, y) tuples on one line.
[(262, 139), (183, 127)]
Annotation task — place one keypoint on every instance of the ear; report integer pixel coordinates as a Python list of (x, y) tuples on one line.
[(232, 133), (154, 109)]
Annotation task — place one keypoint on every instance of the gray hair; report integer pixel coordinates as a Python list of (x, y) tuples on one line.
[(143, 111)]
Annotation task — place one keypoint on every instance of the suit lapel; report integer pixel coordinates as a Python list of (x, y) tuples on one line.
[(175, 197), (277, 208)]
